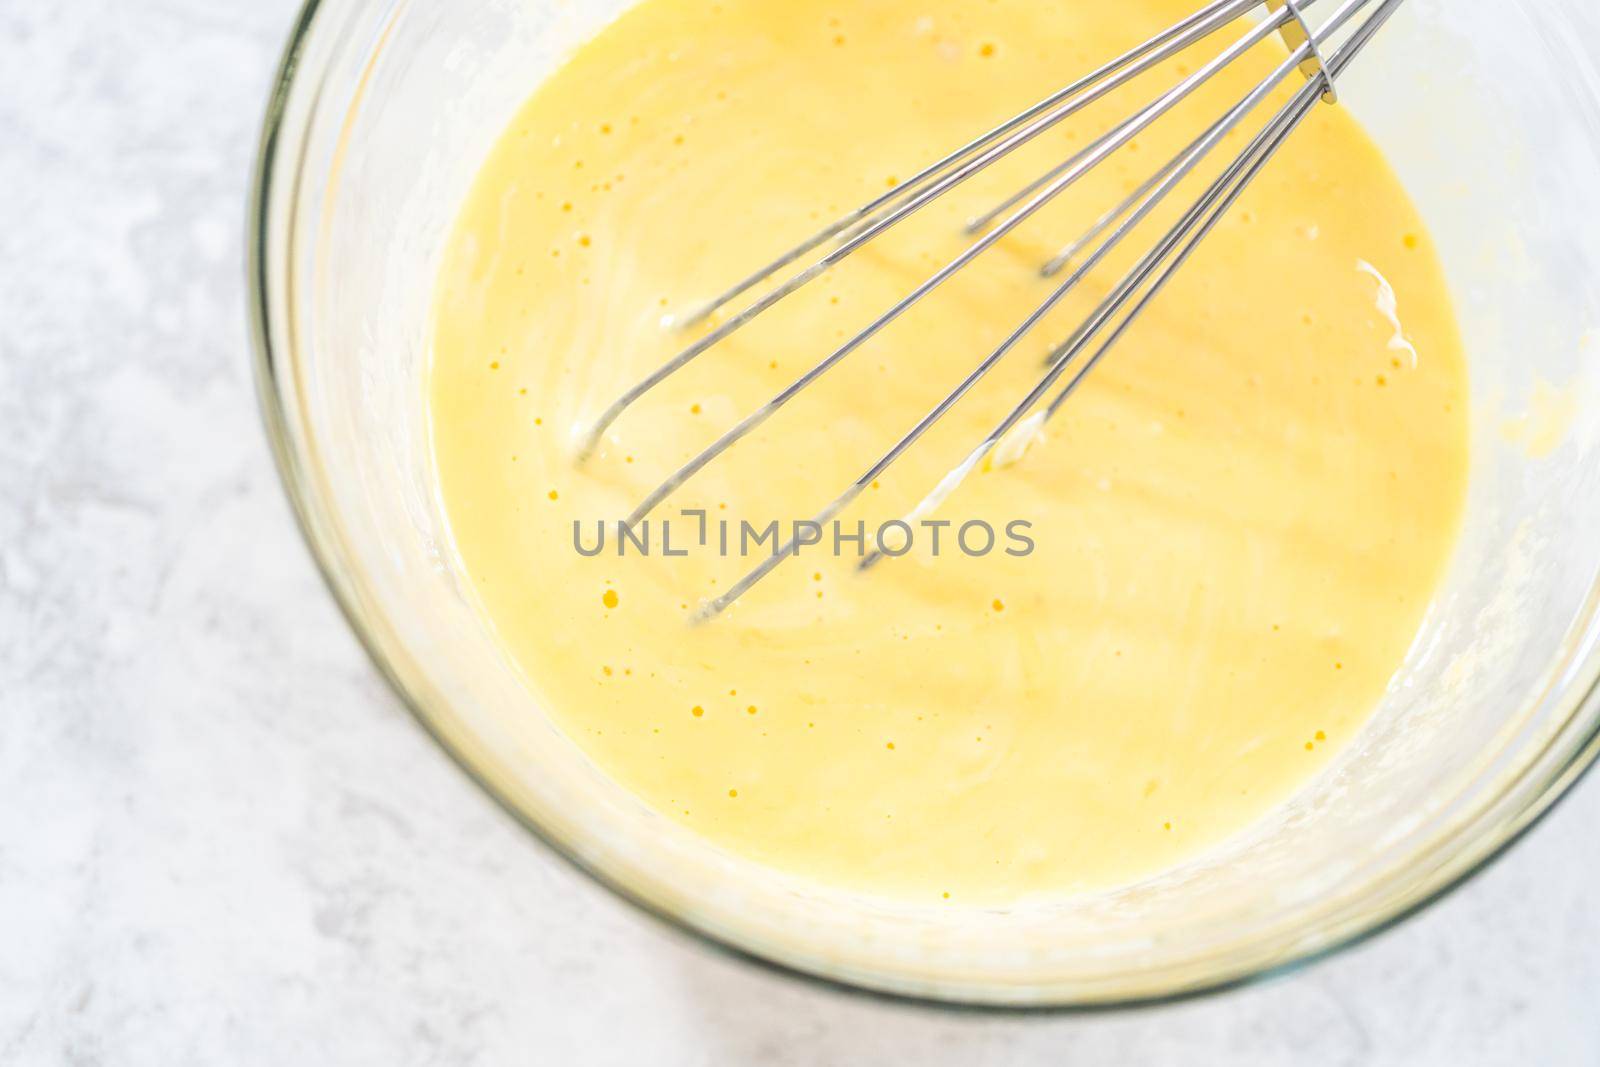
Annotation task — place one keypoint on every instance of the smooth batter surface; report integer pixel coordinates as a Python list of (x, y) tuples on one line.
[(1240, 519)]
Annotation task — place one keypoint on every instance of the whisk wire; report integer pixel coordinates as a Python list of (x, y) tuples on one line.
[(1104, 222), (1227, 187), (1114, 315), (1088, 90), (1091, 157), (1218, 199), (1211, 17)]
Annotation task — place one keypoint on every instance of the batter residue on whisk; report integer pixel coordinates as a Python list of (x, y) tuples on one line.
[(1238, 522)]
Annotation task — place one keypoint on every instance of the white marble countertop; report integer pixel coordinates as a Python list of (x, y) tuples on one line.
[(221, 839)]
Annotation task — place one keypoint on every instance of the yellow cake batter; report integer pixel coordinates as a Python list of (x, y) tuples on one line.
[(1239, 521)]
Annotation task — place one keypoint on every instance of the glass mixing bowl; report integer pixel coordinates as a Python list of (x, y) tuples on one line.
[(1490, 109)]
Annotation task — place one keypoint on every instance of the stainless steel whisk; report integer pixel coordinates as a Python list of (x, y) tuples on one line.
[(1353, 25)]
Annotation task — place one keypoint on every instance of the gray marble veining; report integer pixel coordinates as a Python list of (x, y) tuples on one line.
[(222, 841)]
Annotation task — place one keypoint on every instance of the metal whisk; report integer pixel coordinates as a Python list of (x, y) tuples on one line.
[(1352, 25)]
